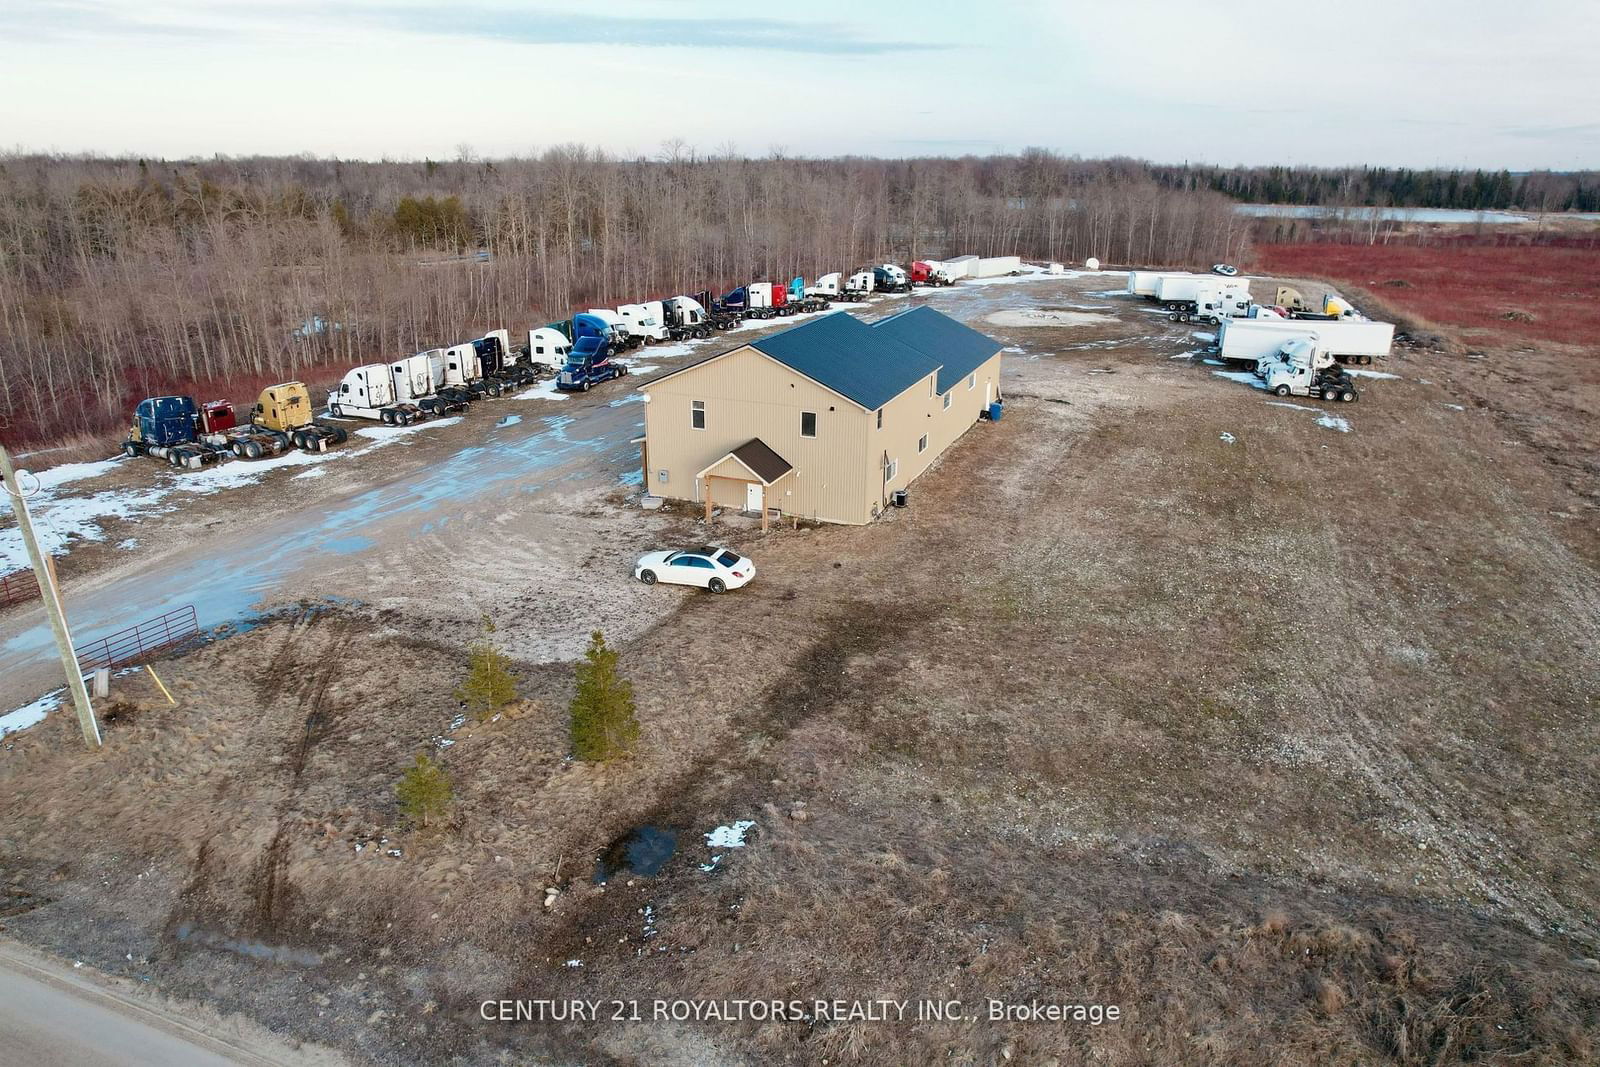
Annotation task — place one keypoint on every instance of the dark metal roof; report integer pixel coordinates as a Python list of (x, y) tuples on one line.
[(760, 458), (846, 355), (959, 348)]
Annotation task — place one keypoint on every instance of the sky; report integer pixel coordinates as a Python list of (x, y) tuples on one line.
[(1383, 82)]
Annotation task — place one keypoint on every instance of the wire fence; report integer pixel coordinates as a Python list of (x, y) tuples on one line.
[(141, 643)]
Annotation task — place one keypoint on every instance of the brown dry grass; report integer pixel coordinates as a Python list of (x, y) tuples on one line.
[(1286, 747)]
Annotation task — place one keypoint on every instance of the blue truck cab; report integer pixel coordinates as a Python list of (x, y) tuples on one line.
[(589, 363), (165, 420)]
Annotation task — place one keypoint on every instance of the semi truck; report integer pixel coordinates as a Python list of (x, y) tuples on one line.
[(1297, 306), (1303, 379), (802, 299), (1352, 341), (1213, 303), (622, 335), (548, 345), (285, 408), (497, 359), (1184, 292), (835, 287), (416, 382), (888, 278), (167, 427), (368, 392), (685, 317), (930, 272), (588, 364)]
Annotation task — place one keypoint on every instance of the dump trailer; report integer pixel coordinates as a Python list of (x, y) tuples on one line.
[(588, 364), (165, 427), (417, 379), (286, 408), (368, 393)]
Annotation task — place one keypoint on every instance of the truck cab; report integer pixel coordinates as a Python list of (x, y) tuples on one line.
[(684, 317), (1303, 379), (548, 345), (927, 272), (646, 321), (622, 335), (861, 282), (889, 278), (588, 364)]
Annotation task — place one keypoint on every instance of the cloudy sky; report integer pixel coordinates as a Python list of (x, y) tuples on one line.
[(1399, 82)]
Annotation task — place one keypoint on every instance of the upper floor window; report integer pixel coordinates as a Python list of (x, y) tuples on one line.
[(947, 401), (880, 418), (697, 414), (808, 424), (922, 443), (972, 379)]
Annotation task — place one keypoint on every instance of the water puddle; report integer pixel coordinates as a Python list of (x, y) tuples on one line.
[(642, 851)]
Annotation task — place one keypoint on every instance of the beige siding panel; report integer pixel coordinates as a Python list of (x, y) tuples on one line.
[(747, 395), (915, 412)]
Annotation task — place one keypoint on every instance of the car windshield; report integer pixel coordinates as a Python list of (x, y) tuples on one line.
[(728, 559)]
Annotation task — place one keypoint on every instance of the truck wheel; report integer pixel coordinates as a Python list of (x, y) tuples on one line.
[(584, 388), (1330, 394), (1348, 396), (386, 417), (1282, 390), (298, 439), (647, 577), (336, 411), (129, 450), (1173, 317), (340, 436), (252, 449)]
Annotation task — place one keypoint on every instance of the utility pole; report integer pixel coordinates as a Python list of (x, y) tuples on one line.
[(46, 575)]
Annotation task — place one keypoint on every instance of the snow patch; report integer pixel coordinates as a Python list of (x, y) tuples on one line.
[(384, 434), (1371, 373), (314, 472), (545, 390), (1226, 438), (1047, 317), (31, 714), (729, 836), (1205, 337), (1333, 422), (1455, 407)]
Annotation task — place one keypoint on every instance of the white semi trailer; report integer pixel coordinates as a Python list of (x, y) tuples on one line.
[(996, 266), (1144, 282), (962, 266), (1353, 341)]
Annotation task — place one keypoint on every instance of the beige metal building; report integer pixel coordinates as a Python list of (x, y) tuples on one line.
[(821, 421)]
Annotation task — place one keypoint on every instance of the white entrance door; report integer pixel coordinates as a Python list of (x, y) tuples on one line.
[(752, 497)]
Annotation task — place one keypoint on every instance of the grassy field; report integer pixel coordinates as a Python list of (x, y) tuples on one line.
[(1282, 739)]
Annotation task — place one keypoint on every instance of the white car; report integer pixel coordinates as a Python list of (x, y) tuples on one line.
[(710, 567), (1227, 270)]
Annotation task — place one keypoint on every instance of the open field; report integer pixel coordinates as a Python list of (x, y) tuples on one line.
[(1161, 694), (1535, 292)]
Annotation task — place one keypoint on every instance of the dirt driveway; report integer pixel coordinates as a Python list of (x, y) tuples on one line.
[(1276, 733)]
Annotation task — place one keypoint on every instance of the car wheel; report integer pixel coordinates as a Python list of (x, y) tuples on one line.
[(717, 585), (647, 577)]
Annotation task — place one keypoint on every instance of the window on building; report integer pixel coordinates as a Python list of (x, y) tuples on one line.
[(947, 401), (808, 424), (930, 386), (922, 443), (972, 379), (697, 414), (890, 469), (880, 418)]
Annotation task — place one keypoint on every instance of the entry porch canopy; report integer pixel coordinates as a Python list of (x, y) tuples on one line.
[(752, 463)]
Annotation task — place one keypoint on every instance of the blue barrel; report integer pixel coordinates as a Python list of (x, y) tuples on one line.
[(995, 410)]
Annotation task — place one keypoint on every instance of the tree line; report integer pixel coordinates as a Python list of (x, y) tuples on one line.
[(1476, 190), (122, 278)]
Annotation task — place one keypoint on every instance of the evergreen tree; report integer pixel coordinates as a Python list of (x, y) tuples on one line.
[(424, 791), (490, 685), (603, 722)]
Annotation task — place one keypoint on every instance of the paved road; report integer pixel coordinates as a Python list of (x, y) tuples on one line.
[(52, 1016)]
